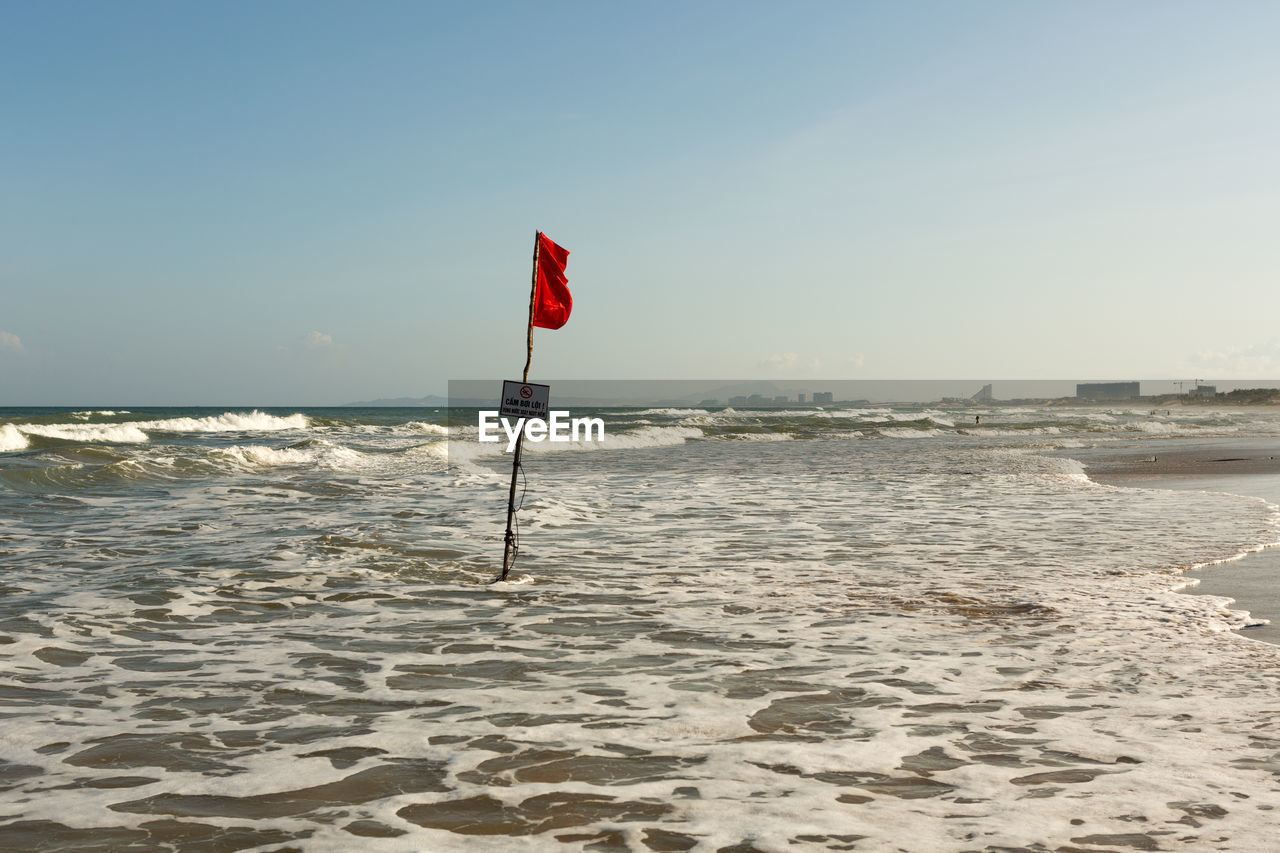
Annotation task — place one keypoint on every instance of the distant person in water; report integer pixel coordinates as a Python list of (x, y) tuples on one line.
[(977, 419)]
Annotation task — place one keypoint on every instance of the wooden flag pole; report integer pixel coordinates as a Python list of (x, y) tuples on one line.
[(509, 540)]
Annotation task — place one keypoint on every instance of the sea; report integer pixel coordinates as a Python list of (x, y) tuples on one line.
[(885, 628)]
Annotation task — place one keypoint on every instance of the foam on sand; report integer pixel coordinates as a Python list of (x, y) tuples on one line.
[(805, 644)]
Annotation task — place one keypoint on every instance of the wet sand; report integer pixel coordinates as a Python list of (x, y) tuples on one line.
[(1239, 466)]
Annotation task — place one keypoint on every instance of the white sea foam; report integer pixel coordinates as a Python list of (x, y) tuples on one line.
[(256, 456), (109, 433), (755, 436), (649, 436), (436, 449), (11, 438), (254, 421), (908, 432), (320, 454), (856, 413), (421, 427), (632, 439), (106, 413), (986, 431), (777, 413), (672, 413), (136, 432)]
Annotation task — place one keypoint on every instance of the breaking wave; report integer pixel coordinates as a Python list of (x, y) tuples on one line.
[(254, 421), (14, 436), (108, 433), (11, 439)]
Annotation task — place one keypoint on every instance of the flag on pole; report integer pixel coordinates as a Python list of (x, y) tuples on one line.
[(553, 301)]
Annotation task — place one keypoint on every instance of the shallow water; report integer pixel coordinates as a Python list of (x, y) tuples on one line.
[(877, 630)]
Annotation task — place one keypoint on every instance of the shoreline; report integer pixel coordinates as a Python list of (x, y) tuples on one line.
[(1241, 466)]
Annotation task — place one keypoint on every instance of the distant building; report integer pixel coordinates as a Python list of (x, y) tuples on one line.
[(984, 394), (800, 399), (737, 401), (1107, 390), (779, 399), (756, 398), (709, 403), (1205, 391), (820, 397)]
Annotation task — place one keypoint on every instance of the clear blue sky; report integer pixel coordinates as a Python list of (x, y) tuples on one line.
[(313, 202)]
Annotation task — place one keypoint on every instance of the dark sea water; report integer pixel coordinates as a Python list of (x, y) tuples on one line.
[(856, 629)]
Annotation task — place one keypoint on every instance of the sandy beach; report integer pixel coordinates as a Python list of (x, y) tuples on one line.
[(1238, 466)]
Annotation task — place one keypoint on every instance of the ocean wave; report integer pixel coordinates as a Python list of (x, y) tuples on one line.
[(651, 436), (422, 427), (850, 413), (907, 432), (459, 451), (645, 436), (136, 432), (104, 413), (257, 456), (316, 453), (111, 433), (11, 439), (1029, 463), (254, 421), (411, 428), (773, 413), (434, 449), (672, 413), (997, 432), (1157, 427)]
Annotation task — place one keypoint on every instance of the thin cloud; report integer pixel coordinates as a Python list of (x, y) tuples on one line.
[(791, 364), (1253, 361), (11, 342), (318, 340), (780, 361)]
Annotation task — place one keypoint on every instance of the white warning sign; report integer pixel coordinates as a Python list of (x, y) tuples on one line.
[(524, 400)]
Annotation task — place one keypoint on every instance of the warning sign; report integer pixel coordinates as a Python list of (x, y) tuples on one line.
[(524, 400)]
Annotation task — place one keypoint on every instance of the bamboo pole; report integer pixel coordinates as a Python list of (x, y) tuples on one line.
[(509, 540)]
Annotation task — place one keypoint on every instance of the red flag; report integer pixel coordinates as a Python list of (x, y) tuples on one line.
[(553, 301)]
